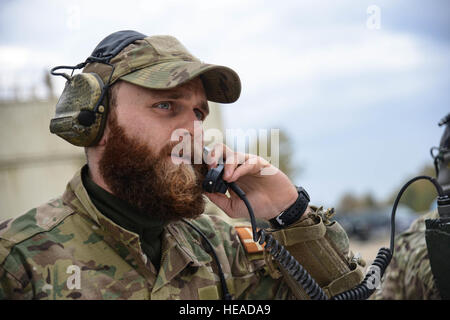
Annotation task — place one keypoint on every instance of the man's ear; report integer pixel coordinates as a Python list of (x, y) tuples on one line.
[(106, 132), (104, 138)]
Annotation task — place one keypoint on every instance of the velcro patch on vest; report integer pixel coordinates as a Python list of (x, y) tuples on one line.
[(246, 236)]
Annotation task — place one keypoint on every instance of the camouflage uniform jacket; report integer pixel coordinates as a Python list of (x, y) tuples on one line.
[(66, 249), (409, 274)]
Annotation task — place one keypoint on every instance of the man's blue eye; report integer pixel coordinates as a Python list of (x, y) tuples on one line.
[(199, 114), (163, 105)]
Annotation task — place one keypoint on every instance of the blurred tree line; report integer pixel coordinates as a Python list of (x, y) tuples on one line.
[(419, 196), (350, 203), (285, 152)]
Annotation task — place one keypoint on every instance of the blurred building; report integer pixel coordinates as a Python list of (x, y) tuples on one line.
[(35, 165)]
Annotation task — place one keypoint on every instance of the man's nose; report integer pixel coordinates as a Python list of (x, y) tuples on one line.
[(193, 125), (191, 132), (191, 129)]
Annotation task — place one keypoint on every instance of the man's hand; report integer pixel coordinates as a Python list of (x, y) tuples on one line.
[(268, 190)]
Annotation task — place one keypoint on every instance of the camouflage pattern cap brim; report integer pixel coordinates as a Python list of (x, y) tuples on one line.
[(221, 84), (162, 62)]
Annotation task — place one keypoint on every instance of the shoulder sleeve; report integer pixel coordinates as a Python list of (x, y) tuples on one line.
[(409, 275)]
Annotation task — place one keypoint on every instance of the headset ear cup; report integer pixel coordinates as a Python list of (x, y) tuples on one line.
[(77, 118)]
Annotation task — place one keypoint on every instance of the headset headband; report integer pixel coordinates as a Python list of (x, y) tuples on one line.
[(107, 49), (113, 44)]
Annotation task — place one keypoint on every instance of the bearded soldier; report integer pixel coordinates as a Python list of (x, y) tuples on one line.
[(130, 224)]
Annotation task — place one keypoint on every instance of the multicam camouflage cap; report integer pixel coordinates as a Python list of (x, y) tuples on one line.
[(162, 62)]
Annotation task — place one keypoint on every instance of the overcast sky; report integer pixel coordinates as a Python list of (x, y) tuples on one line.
[(359, 86)]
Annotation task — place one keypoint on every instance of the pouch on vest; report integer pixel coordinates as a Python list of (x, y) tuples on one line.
[(321, 246)]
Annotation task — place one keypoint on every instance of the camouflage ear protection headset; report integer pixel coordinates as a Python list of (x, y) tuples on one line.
[(82, 108)]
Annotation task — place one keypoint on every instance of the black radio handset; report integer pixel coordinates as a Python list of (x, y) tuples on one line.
[(213, 181)]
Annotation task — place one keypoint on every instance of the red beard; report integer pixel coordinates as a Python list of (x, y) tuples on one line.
[(151, 183)]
